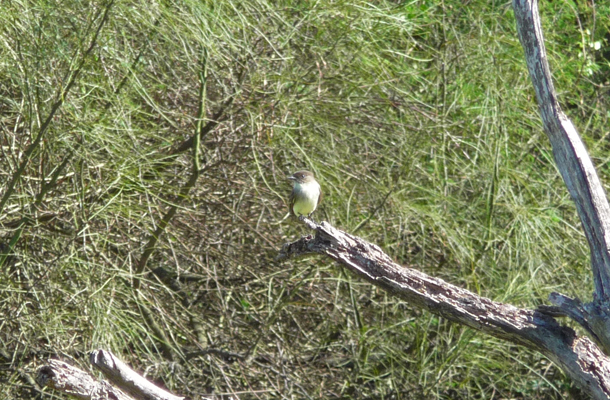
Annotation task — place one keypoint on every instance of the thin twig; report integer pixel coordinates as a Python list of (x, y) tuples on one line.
[(60, 98), (184, 191)]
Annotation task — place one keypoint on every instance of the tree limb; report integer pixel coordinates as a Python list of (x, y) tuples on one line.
[(578, 356), (127, 379), (578, 173), (68, 379)]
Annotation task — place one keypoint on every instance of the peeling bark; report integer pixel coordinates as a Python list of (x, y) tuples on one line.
[(578, 356), (68, 379), (579, 175), (127, 379)]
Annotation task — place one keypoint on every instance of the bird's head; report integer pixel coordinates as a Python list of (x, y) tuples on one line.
[(302, 177)]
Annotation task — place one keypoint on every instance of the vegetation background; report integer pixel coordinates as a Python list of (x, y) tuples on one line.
[(418, 118)]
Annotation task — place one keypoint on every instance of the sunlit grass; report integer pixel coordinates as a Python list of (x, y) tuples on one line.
[(420, 122)]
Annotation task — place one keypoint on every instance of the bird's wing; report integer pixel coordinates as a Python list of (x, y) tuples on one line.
[(320, 197), (291, 203)]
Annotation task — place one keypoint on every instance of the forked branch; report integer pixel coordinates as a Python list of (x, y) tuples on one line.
[(578, 356), (579, 174)]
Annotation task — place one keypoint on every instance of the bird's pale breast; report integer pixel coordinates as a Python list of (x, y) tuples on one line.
[(307, 195)]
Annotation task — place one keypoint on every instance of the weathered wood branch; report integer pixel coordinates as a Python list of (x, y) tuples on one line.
[(73, 381), (578, 356), (127, 379), (68, 379), (579, 174)]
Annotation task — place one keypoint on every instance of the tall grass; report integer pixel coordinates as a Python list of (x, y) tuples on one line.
[(418, 118)]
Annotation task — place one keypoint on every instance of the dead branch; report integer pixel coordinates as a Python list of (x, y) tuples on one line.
[(578, 356), (68, 379), (579, 175), (126, 378)]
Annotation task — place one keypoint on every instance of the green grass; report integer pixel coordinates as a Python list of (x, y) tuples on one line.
[(419, 120)]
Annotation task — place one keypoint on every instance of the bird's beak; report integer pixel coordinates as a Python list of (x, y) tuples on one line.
[(291, 178)]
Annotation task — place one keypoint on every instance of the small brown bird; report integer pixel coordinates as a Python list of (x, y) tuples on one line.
[(306, 194)]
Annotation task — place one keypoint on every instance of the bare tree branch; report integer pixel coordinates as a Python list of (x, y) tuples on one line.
[(68, 379), (195, 143), (127, 379), (579, 175), (578, 356)]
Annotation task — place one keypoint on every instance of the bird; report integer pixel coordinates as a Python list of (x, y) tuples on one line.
[(306, 194)]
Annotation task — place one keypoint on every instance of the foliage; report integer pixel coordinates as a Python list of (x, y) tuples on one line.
[(418, 118)]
